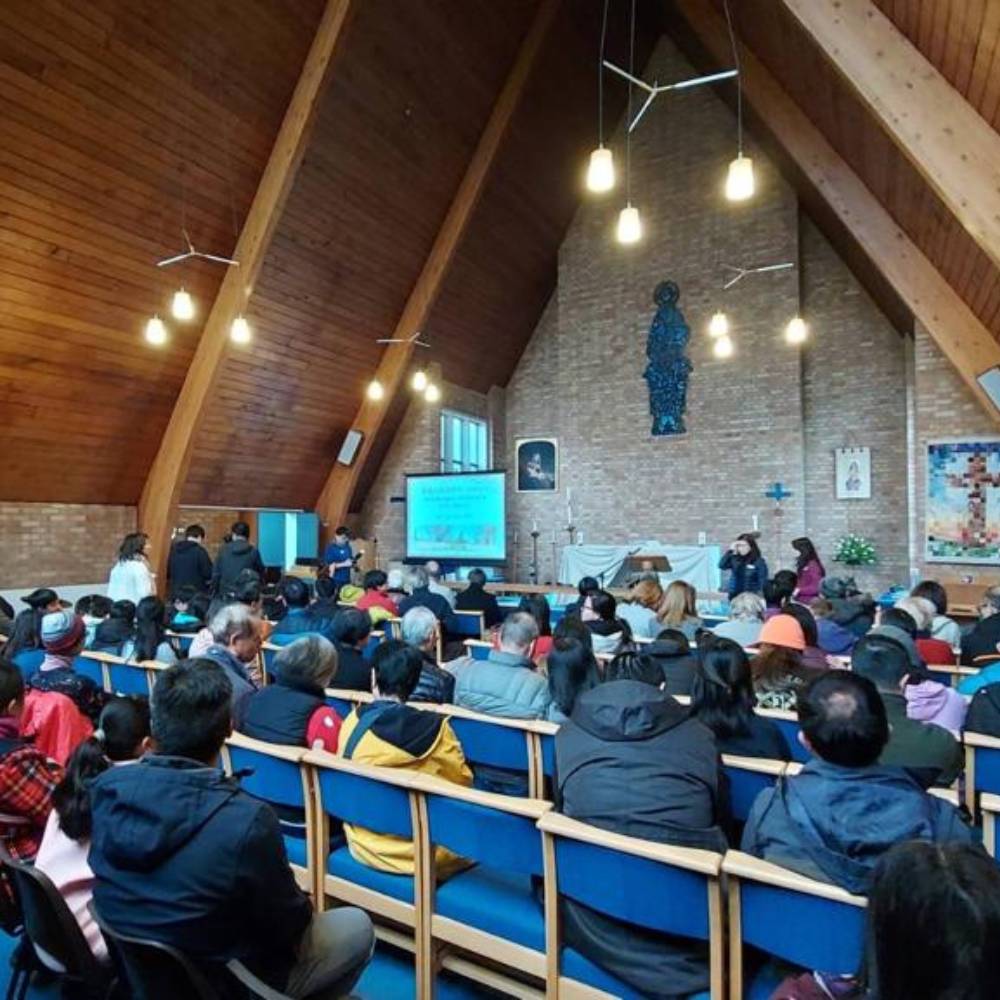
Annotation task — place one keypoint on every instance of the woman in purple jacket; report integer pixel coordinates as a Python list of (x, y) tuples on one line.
[(810, 570)]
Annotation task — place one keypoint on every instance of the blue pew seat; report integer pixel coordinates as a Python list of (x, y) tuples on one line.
[(342, 864)]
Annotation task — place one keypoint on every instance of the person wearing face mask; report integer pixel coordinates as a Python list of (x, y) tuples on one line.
[(746, 566)]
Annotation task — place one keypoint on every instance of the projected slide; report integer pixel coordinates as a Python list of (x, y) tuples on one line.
[(457, 517)]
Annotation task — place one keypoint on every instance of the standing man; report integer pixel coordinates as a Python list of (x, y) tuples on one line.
[(189, 564), (339, 557), (236, 555)]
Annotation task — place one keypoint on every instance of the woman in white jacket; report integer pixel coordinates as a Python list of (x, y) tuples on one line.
[(131, 578)]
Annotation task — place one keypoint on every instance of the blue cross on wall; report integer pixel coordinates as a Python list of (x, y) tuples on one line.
[(777, 493)]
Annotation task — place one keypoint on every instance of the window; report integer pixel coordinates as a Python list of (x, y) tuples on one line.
[(464, 443)]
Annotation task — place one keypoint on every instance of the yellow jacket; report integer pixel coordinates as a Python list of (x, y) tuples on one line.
[(418, 741)]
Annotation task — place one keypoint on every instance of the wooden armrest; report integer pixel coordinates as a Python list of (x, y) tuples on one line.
[(285, 752), (388, 775), (989, 802), (761, 765), (981, 740), (691, 858), (91, 654), (778, 713), (430, 785), (348, 694), (745, 866)]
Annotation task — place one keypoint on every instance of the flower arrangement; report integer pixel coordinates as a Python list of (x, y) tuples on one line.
[(855, 550)]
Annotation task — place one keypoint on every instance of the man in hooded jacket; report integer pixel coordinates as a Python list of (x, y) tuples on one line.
[(235, 556), (188, 564), (182, 855), (837, 817), (632, 761)]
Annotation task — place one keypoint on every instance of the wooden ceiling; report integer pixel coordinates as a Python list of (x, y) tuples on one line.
[(120, 122), (124, 120), (959, 39)]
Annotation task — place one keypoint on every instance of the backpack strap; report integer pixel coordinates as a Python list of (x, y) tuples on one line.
[(365, 722)]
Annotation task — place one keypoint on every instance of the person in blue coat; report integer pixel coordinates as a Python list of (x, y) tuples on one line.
[(746, 566)]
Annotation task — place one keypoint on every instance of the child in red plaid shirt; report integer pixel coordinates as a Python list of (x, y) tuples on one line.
[(27, 776)]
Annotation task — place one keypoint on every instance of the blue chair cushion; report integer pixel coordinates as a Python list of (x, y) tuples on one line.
[(295, 848), (498, 902), (342, 864), (576, 966)]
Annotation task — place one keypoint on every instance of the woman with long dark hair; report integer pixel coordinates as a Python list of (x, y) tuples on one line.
[(121, 737), (131, 578), (572, 670), (538, 607), (809, 570), (150, 642), (746, 566), (722, 697)]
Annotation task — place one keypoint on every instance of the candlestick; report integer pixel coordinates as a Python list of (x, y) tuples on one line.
[(534, 526)]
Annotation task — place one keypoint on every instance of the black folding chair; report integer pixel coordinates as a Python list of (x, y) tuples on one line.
[(157, 971), (51, 927)]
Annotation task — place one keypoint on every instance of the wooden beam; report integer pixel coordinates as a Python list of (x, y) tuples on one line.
[(952, 324), (953, 148), (161, 494), (336, 494)]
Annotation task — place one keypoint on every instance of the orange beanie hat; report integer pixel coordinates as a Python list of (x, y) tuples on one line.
[(782, 630)]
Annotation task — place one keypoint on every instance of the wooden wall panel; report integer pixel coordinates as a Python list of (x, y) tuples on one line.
[(111, 109)]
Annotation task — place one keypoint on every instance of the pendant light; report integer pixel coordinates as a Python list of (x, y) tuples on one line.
[(375, 390), (797, 331), (739, 180), (156, 332), (419, 380), (432, 393), (629, 224), (718, 325), (240, 332), (723, 347), (601, 169), (182, 305)]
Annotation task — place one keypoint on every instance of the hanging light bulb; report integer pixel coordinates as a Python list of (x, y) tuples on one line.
[(601, 170), (739, 180), (419, 380), (718, 325), (796, 331), (432, 393), (723, 347), (156, 331), (182, 306), (239, 332), (375, 390), (629, 225)]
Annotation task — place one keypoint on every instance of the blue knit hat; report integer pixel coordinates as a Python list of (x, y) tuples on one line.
[(62, 631)]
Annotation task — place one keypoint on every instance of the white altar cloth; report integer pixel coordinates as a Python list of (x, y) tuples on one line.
[(697, 564)]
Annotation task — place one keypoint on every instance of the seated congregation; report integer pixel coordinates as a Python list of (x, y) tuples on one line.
[(639, 727)]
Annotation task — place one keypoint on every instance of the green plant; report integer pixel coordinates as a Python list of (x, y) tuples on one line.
[(855, 550)]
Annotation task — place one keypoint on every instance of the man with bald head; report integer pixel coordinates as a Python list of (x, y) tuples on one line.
[(844, 810)]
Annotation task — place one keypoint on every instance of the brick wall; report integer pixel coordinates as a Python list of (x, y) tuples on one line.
[(772, 412), (944, 408), (215, 522), (854, 393), (415, 449), (49, 544), (581, 377)]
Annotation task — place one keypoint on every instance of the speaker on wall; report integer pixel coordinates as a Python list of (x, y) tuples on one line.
[(349, 449)]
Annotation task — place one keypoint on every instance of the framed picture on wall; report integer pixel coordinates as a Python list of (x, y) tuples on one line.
[(962, 521), (537, 465), (853, 473)]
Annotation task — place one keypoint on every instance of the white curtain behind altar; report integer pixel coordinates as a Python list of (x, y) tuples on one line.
[(697, 564)]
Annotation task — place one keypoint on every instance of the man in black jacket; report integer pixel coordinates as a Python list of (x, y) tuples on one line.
[(235, 556), (420, 630), (351, 629), (632, 761), (984, 638), (182, 855), (422, 596), (188, 564), (476, 598)]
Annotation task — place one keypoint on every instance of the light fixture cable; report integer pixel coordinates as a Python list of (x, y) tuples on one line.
[(739, 78), (628, 133), (600, 75)]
